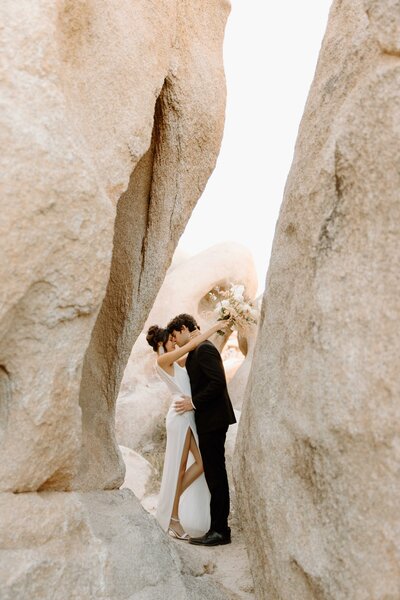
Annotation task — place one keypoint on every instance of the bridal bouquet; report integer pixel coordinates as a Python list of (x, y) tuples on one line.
[(231, 304)]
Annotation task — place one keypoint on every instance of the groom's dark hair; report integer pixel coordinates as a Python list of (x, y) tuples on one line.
[(181, 321)]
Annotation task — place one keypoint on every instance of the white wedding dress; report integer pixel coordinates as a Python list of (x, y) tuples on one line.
[(194, 505)]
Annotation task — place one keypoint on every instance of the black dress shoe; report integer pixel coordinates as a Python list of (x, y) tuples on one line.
[(212, 538)]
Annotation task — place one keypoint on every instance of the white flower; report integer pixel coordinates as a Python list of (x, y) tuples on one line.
[(238, 291)]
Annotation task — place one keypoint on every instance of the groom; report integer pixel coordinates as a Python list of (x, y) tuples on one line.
[(213, 415)]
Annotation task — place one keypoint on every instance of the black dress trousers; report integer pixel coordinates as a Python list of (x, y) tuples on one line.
[(212, 448)]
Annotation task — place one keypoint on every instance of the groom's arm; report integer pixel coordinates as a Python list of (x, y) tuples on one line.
[(210, 363)]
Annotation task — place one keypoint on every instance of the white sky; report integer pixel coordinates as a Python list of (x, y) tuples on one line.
[(270, 54)]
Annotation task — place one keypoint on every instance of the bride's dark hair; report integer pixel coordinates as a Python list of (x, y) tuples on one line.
[(155, 335)]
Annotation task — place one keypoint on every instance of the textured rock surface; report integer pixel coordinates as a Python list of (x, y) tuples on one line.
[(143, 400), (143, 397), (58, 545), (317, 459), (46, 546), (112, 116), (97, 98), (138, 472), (237, 385)]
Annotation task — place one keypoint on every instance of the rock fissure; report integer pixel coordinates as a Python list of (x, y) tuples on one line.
[(5, 399)]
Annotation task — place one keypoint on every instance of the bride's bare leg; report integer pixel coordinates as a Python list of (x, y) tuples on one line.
[(182, 468), (196, 469)]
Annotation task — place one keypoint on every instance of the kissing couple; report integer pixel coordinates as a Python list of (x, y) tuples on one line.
[(194, 496)]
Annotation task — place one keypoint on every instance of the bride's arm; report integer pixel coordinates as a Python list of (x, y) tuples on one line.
[(170, 357)]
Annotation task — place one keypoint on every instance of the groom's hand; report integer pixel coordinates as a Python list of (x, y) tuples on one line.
[(183, 405)]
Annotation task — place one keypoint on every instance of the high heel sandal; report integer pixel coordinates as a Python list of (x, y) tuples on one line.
[(175, 534)]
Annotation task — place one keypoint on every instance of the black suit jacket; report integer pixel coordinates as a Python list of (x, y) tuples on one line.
[(209, 392)]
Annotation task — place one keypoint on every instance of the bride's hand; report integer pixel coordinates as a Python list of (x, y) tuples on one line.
[(194, 333), (225, 323)]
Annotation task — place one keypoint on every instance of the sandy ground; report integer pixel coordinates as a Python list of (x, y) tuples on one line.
[(227, 565)]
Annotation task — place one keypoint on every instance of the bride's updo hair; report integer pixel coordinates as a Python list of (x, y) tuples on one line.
[(155, 335)]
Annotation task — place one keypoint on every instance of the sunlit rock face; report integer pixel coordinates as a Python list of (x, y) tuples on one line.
[(111, 122), (98, 100), (144, 399), (318, 448)]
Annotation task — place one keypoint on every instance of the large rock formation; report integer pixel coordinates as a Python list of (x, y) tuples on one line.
[(112, 117), (97, 98), (317, 462)]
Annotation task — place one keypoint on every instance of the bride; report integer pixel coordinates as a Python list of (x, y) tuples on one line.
[(184, 500)]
